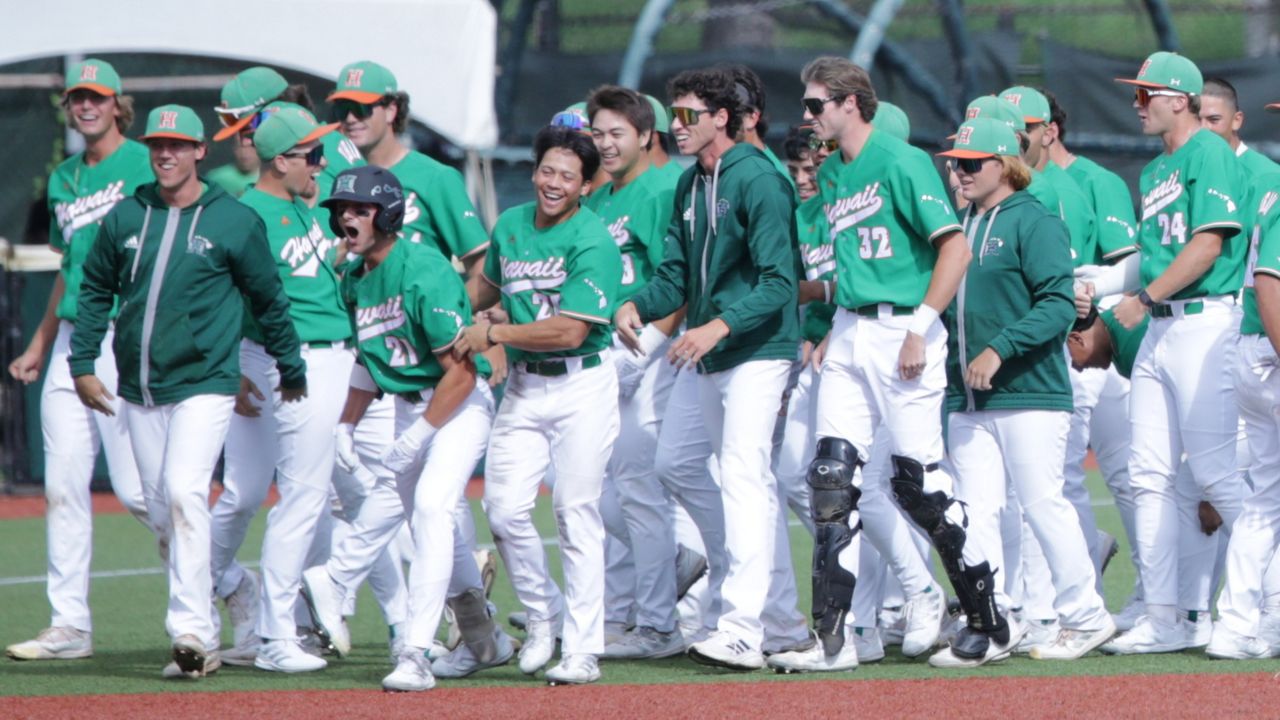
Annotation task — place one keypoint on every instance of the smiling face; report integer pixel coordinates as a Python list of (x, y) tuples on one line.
[(831, 122), (91, 114), (694, 136), (367, 132), (174, 162), (558, 185), (299, 175), (621, 146), (805, 174)]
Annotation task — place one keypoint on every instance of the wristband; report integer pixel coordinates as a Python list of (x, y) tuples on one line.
[(345, 429), (651, 338), (1145, 298), (488, 337), (361, 379), (826, 291), (419, 432), (922, 320)]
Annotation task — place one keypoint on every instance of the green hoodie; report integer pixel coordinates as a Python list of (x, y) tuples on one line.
[(1017, 299), (180, 275), (741, 265)]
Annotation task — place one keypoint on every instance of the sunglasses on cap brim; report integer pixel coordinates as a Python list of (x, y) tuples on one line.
[(312, 157), (570, 120), (344, 107)]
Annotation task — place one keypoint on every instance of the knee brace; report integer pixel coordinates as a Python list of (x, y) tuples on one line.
[(833, 500)]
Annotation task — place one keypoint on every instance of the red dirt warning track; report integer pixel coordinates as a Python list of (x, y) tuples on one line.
[(1121, 696)]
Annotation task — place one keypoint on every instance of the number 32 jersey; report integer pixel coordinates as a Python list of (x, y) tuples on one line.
[(884, 211), (571, 269)]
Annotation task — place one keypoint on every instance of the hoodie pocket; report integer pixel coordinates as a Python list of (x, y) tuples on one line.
[(175, 354)]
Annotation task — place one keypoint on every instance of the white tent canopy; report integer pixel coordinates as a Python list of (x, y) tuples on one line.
[(441, 51)]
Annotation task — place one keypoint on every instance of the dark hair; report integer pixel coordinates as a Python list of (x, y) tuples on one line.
[(554, 136), (664, 141), (627, 103), (795, 146), (714, 87), (400, 100), (1057, 114), (750, 90), (843, 78), (1220, 88), (298, 95)]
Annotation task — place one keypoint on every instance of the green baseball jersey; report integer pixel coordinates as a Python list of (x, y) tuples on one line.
[(1250, 166), (637, 217), (1076, 212), (1124, 343), (1116, 225), (780, 166), (884, 210), (1184, 193), (670, 173), (405, 312), (1264, 247), (437, 209), (229, 178), (304, 257), (339, 154), (817, 255), (571, 269), (80, 196)]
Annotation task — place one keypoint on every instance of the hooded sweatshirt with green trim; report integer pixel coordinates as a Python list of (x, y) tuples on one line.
[(1017, 299), (732, 254), (180, 274)]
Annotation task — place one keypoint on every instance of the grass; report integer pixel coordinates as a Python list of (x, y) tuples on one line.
[(131, 643)]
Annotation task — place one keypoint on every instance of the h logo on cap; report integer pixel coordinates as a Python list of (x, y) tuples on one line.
[(972, 113), (168, 120), (353, 77), (1143, 71), (1015, 98), (963, 137), (89, 72)]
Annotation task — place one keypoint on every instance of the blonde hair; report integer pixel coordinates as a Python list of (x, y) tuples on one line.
[(1015, 172)]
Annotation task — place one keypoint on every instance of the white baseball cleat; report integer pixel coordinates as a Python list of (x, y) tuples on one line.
[(326, 603), (412, 673), (1198, 627), (538, 646), (1041, 632), (54, 643), (814, 659), (724, 650), (574, 670), (867, 643), (923, 617), (1148, 636), (994, 652), (244, 604), (190, 659), (893, 625), (1071, 644), (1228, 644), (1130, 614), (461, 662), (1269, 629), (645, 643), (287, 656)]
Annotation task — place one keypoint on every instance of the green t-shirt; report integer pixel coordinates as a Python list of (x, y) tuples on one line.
[(1124, 343), (1184, 193), (405, 312), (304, 257), (437, 209), (80, 196), (570, 269), (229, 178), (637, 217), (817, 256), (1264, 247), (1077, 213), (1117, 228), (884, 210)]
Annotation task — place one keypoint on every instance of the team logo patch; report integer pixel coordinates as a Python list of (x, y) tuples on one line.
[(972, 113), (1231, 205), (89, 72), (722, 207), (992, 246), (131, 243), (1268, 201), (964, 136), (345, 184), (354, 77), (199, 245), (169, 120), (1015, 98), (1142, 72)]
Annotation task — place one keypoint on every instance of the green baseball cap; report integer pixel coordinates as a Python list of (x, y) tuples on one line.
[(661, 118), (366, 82), (93, 74), (1170, 71), (891, 119), (174, 121), (286, 126), (1033, 104), (244, 95), (983, 137), (990, 106)]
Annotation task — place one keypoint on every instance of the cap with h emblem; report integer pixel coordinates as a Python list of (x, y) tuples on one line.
[(983, 138), (366, 82), (1168, 71), (174, 121), (93, 74)]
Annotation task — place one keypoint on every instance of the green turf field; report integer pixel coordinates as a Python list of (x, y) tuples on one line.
[(129, 598)]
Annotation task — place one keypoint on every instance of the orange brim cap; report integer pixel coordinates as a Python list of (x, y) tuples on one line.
[(232, 129), (1273, 107), (100, 89), (174, 135), (1141, 83), (967, 154), (319, 133), (360, 96)]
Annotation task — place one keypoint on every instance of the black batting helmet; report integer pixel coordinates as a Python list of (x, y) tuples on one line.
[(369, 184)]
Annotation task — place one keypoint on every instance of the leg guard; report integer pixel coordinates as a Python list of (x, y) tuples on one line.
[(974, 586), (471, 611), (833, 500)]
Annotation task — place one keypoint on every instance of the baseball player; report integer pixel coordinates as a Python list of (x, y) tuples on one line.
[(1182, 398), (242, 172), (1008, 392), (82, 190), (660, 148), (179, 255), (267, 436), (556, 270), (732, 239), (749, 89), (373, 113)]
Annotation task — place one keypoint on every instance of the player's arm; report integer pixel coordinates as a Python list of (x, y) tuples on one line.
[(820, 291), (1266, 288), (457, 220), (253, 270), (450, 392), (1195, 259), (1117, 225), (948, 270), (98, 289), (772, 246), (483, 288), (665, 292), (26, 367)]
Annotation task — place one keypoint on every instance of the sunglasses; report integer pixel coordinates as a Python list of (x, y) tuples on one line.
[(971, 166), (344, 107), (231, 116), (815, 106), (313, 156), (1143, 96), (816, 143), (687, 115)]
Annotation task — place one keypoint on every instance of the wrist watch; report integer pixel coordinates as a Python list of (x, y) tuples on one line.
[(1145, 298)]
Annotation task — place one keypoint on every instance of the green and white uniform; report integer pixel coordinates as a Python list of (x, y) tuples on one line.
[(1112, 208), (229, 178), (437, 209), (637, 217), (1075, 211)]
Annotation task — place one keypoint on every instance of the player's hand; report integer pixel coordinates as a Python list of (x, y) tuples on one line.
[(1085, 293), (497, 357), (26, 367), (1130, 311), (911, 357), (243, 406), (344, 448), (94, 394), (806, 352), (290, 395), (819, 353), (406, 449), (627, 322), (982, 369), (494, 315), (1210, 520), (473, 341), (689, 349)]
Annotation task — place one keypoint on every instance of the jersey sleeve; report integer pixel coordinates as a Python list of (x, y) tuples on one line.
[(455, 217), (1113, 213), (1213, 200), (1268, 227), (657, 216), (594, 272), (97, 295), (492, 270), (440, 306), (918, 195)]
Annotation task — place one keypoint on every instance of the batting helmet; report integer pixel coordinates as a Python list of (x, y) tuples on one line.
[(369, 184)]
